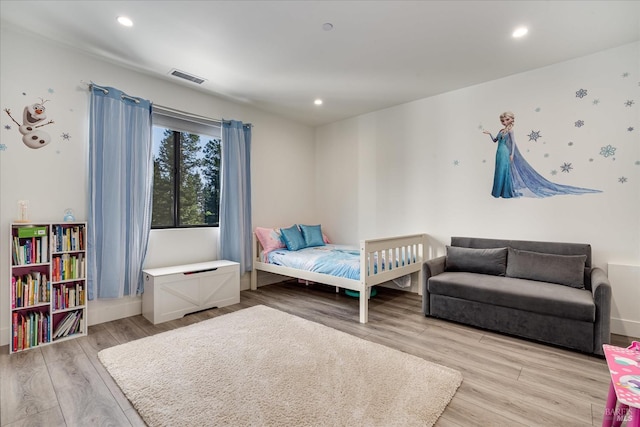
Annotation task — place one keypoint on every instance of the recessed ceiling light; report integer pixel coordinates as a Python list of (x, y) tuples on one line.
[(520, 32), (123, 20), (318, 102), (327, 26)]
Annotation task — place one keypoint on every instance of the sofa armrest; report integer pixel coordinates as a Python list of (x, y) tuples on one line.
[(601, 289), (435, 266), (430, 268)]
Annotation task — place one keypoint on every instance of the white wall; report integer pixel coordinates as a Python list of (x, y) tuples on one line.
[(54, 177), (426, 167)]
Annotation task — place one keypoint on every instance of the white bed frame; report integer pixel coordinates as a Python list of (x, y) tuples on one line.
[(411, 249)]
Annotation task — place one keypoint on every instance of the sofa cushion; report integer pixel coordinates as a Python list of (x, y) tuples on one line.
[(557, 248), (522, 294), (484, 261), (565, 270)]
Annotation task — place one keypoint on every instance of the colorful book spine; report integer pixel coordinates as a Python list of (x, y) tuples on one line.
[(69, 325), (14, 328)]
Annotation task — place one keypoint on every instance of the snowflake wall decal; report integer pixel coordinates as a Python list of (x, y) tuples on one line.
[(624, 75), (579, 123), (607, 151), (456, 162), (534, 135), (596, 101), (630, 129), (637, 162), (581, 93), (537, 110), (570, 144), (554, 172), (3, 147), (566, 167), (591, 159), (629, 103), (65, 136), (622, 179), (7, 127), (546, 155), (51, 90)]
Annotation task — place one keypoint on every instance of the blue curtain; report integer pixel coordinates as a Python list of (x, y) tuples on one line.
[(120, 191), (235, 194)]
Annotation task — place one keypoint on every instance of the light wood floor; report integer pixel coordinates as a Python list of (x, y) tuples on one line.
[(507, 381)]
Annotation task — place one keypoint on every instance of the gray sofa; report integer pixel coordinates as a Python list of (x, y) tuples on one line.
[(545, 291)]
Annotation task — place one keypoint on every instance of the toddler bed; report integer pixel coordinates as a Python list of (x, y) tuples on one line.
[(358, 269)]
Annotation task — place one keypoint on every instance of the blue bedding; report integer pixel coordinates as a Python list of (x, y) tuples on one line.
[(336, 260)]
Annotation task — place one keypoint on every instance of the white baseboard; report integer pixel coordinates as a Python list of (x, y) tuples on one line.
[(101, 311), (628, 328), (625, 319), (4, 336)]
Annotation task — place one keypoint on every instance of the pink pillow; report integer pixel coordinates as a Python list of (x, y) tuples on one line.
[(269, 239)]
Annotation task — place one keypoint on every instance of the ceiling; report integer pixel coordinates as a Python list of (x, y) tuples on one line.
[(276, 56)]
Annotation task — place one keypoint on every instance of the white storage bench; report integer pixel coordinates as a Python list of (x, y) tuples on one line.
[(172, 292)]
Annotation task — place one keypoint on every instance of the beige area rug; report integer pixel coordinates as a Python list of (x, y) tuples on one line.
[(261, 366)]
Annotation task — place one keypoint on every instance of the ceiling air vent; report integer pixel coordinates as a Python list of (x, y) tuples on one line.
[(186, 76)]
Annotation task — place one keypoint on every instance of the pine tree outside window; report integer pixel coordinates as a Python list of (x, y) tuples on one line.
[(186, 158)]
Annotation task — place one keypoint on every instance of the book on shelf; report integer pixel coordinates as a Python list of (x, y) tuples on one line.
[(14, 329), (68, 239), (68, 267), (44, 255), (68, 325), (30, 289), (29, 329), (34, 250), (32, 231), (12, 292), (68, 296)]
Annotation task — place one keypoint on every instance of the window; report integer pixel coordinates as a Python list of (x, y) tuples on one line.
[(186, 171)]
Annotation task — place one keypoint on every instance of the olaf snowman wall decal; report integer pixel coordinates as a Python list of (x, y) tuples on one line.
[(33, 118)]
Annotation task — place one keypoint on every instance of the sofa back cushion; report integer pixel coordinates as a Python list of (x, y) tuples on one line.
[(558, 248), (565, 270), (485, 261)]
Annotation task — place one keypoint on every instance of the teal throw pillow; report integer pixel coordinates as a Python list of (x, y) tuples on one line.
[(292, 237), (312, 235)]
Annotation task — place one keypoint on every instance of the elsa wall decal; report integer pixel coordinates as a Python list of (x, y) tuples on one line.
[(514, 176), (33, 118)]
